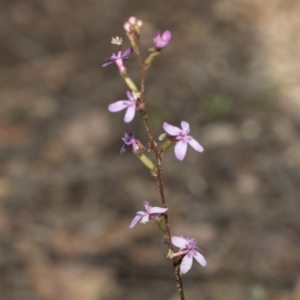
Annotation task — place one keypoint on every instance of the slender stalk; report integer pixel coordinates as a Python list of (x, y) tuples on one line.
[(158, 156)]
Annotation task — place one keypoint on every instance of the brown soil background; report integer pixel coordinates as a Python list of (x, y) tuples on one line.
[(232, 71)]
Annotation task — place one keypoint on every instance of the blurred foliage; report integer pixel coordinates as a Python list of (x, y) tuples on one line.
[(219, 106), (20, 114), (258, 293), (155, 118)]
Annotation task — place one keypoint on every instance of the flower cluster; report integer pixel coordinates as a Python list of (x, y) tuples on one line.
[(179, 136)]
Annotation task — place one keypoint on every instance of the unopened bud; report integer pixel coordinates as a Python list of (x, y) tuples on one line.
[(162, 225), (132, 20), (127, 27), (151, 57), (139, 23), (166, 145), (131, 84), (146, 162)]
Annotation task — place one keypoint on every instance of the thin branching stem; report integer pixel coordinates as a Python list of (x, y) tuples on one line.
[(158, 156)]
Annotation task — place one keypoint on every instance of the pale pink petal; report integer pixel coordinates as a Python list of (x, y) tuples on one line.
[(130, 113), (130, 96), (200, 259), (147, 205), (186, 264), (157, 210), (193, 143), (145, 219), (179, 241), (156, 36), (167, 35), (185, 127), (135, 220), (180, 149), (119, 105), (171, 130)]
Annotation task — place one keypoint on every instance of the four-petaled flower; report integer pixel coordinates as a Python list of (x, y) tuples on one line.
[(189, 249), (131, 105), (181, 137), (118, 59), (151, 213), (130, 140), (161, 41)]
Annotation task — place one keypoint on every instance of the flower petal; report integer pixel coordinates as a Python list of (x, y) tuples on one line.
[(108, 62), (167, 36), (145, 219), (126, 53), (156, 36), (185, 127), (200, 259), (180, 149), (147, 205), (130, 113), (128, 138), (157, 210), (171, 130), (186, 264), (193, 143), (119, 105), (123, 149), (179, 241), (161, 41), (135, 220), (130, 96)]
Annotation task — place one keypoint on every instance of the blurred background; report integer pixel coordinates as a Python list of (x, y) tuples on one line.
[(231, 70)]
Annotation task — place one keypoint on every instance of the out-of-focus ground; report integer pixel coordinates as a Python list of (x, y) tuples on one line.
[(232, 71)]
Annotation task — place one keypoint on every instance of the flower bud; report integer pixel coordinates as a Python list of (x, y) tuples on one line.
[(151, 57), (130, 84), (132, 20), (147, 162), (127, 27), (166, 145)]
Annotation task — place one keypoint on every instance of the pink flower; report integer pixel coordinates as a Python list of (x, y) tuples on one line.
[(130, 105), (189, 249), (150, 214), (130, 140), (118, 59), (161, 41), (182, 139)]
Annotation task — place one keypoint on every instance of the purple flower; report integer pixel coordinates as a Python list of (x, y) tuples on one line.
[(118, 59), (130, 140), (189, 249), (130, 105), (182, 139), (161, 41), (150, 214)]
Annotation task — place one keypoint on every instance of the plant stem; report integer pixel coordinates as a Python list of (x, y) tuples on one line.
[(158, 156)]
